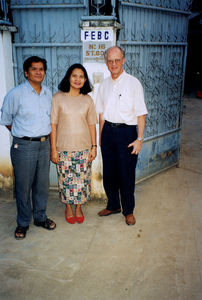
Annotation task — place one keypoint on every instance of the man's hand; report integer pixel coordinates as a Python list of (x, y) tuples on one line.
[(9, 127), (137, 146)]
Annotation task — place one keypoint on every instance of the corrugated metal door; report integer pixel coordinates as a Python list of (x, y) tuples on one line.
[(154, 36), (49, 29)]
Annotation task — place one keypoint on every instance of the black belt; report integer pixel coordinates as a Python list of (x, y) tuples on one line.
[(37, 139), (117, 124)]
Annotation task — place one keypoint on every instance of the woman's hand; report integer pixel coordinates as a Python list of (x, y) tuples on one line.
[(92, 154), (54, 157)]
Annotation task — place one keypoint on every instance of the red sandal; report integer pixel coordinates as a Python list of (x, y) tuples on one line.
[(80, 219), (70, 220)]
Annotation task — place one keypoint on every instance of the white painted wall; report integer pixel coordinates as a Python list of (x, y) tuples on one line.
[(97, 71), (6, 83)]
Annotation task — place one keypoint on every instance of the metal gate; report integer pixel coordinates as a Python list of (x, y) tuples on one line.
[(154, 37), (49, 29)]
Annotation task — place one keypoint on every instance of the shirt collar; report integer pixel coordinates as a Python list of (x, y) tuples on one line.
[(117, 80), (43, 91)]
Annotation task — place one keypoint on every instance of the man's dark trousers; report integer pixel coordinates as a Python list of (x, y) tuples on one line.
[(119, 166), (31, 163)]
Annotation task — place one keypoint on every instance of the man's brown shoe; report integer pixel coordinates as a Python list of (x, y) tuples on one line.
[(106, 212), (130, 219)]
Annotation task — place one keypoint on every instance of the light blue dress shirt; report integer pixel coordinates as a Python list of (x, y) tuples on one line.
[(26, 111)]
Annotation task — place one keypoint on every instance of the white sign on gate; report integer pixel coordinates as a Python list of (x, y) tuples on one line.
[(95, 42), (99, 35)]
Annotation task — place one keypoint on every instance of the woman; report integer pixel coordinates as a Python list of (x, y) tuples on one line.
[(73, 140)]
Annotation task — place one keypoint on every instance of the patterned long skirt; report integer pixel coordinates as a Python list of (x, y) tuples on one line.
[(74, 176)]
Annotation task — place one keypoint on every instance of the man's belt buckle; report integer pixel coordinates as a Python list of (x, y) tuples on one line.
[(42, 139), (116, 124)]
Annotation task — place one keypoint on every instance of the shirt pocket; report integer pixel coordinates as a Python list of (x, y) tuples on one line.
[(27, 113), (45, 107), (125, 102)]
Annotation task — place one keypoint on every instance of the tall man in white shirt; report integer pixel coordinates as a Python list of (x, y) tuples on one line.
[(121, 108), (26, 113)]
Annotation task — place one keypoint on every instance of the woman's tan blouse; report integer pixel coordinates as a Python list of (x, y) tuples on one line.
[(73, 115)]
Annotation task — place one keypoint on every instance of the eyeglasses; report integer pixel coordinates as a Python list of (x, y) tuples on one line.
[(116, 61)]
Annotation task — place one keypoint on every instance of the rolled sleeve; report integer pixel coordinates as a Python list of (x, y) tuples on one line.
[(8, 110), (140, 106)]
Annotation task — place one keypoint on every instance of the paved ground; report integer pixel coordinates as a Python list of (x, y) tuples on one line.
[(103, 259)]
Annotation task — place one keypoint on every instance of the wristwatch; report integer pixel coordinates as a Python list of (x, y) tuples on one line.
[(140, 139)]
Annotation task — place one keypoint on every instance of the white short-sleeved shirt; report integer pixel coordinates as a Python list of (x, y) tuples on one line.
[(121, 100)]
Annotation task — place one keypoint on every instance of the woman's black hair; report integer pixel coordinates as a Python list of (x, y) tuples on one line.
[(64, 85)]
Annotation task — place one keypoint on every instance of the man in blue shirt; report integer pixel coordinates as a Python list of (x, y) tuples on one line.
[(26, 113)]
